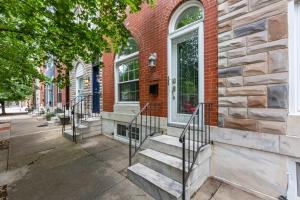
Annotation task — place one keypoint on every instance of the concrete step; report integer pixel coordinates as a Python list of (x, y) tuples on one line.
[(93, 121), (168, 144), (167, 165), (155, 184), (69, 134)]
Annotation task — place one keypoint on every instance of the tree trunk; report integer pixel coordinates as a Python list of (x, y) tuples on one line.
[(3, 107)]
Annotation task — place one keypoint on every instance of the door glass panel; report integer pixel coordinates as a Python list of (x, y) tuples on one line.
[(80, 86), (187, 75)]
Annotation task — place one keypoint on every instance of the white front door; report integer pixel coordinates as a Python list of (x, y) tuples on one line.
[(186, 69), (79, 86)]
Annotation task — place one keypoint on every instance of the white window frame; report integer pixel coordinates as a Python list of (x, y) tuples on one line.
[(125, 138), (79, 76), (294, 56), (292, 192), (118, 62)]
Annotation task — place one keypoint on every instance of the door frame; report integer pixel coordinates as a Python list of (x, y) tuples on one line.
[(175, 34), (95, 93)]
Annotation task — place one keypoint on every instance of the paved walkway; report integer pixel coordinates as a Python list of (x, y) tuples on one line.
[(213, 189), (40, 164), (43, 165)]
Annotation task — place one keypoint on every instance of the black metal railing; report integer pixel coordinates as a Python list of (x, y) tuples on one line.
[(145, 123), (65, 118), (196, 134), (80, 108)]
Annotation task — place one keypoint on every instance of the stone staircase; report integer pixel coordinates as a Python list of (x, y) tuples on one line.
[(88, 128), (158, 170)]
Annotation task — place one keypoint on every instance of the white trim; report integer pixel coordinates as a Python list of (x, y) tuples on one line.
[(173, 34), (294, 56), (79, 72), (292, 180), (117, 62), (180, 10), (127, 57), (189, 28)]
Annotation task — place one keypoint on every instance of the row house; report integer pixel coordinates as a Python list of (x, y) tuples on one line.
[(48, 96), (224, 71)]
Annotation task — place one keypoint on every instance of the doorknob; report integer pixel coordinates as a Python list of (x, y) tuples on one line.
[(173, 88), (173, 91)]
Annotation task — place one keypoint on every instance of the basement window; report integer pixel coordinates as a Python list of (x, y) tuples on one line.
[(122, 131), (135, 133)]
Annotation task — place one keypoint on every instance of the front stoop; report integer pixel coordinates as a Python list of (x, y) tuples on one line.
[(159, 169), (154, 183), (88, 128)]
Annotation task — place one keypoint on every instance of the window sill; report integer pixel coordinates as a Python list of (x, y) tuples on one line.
[(127, 107)]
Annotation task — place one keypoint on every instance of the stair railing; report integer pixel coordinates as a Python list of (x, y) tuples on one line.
[(144, 124), (66, 116), (82, 109), (196, 134)]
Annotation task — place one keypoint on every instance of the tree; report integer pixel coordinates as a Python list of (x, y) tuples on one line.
[(65, 29), (32, 30), (18, 70)]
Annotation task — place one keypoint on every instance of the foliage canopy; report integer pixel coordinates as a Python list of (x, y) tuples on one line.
[(31, 30)]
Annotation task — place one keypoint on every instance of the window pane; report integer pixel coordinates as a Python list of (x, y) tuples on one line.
[(128, 71), (131, 75), (135, 133), (189, 16), (121, 130), (130, 48), (187, 76), (129, 91)]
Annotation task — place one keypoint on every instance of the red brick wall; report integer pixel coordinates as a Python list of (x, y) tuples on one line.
[(108, 82), (64, 91), (149, 27)]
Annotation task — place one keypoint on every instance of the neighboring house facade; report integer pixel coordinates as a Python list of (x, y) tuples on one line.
[(49, 96), (240, 55), (86, 81)]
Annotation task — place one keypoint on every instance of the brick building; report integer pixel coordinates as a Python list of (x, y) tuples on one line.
[(240, 55), (49, 95)]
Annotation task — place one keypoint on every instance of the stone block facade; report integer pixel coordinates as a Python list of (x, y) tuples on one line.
[(253, 65), (88, 74)]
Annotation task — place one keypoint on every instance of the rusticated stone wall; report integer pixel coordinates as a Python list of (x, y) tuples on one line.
[(253, 65)]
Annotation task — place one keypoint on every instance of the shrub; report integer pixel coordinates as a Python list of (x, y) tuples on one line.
[(49, 115), (58, 110)]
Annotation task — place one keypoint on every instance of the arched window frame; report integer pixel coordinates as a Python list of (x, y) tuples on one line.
[(119, 61), (79, 74), (177, 14), (176, 33)]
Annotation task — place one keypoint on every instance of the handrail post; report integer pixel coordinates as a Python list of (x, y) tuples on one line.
[(203, 126), (129, 127), (183, 168), (73, 125)]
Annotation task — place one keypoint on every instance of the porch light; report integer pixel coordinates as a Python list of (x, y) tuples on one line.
[(152, 60), (87, 82), (98, 78)]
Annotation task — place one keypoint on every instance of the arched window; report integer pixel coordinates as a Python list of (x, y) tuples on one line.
[(79, 79), (188, 16), (127, 73), (185, 61)]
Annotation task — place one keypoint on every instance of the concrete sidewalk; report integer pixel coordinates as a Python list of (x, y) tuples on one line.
[(44, 165), (40, 164)]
